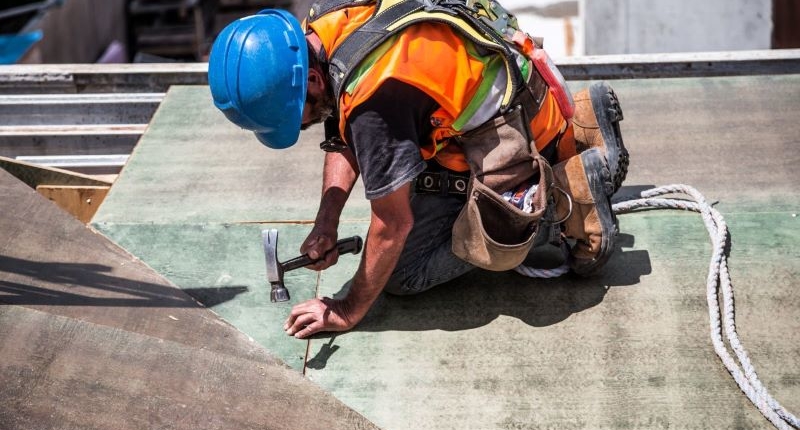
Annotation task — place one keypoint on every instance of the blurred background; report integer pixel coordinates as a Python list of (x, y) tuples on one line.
[(152, 31)]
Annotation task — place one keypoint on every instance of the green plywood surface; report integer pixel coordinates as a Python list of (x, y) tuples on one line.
[(728, 137), (629, 349), (223, 267), (192, 165)]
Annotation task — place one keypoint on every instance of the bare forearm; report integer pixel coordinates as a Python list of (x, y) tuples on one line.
[(338, 177), (385, 242)]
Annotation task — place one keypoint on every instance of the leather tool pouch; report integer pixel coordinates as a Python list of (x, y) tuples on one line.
[(489, 232)]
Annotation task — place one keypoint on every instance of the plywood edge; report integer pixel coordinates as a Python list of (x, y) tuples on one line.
[(82, 201), (34, 175)]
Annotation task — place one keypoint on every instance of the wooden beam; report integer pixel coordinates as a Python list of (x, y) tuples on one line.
[(81, 201), (34, 175)]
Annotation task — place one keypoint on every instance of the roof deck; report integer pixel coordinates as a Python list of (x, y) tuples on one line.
[(627, 349)]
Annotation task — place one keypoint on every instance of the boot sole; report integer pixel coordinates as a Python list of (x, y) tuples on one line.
[(608, 112), (600, 184)]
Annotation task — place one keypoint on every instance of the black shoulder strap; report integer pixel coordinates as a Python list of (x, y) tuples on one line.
[(364, 40)]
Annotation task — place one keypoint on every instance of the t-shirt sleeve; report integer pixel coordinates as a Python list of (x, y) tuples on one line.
[(385, 133)]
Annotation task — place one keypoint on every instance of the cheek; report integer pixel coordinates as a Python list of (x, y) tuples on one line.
[(307, 112)]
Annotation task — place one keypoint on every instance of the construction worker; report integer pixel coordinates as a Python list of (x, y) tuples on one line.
[(402, 104)]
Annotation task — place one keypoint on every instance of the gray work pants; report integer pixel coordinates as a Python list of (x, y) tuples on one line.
[(427, 259)]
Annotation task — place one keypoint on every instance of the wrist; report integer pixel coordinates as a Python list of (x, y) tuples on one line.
[(326, 222), (355, 308)]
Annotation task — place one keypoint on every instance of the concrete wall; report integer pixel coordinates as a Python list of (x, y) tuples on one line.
[(78, 31), (655, 26)]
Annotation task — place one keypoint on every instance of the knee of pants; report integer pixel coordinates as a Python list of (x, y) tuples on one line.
[(400, 285)]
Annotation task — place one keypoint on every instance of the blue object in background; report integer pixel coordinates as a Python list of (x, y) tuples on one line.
[(13, 47)]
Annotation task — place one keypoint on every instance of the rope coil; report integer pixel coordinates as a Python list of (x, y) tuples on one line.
[(718, 281)]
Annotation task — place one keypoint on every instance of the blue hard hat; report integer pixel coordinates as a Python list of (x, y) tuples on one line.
[(258, 71)]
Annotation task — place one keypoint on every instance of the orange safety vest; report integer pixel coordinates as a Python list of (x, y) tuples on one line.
[(434, 58)]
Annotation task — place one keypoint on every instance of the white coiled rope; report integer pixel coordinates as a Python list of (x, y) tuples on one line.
[(718, 280)]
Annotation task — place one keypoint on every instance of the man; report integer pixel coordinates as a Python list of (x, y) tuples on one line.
[(403, 100)]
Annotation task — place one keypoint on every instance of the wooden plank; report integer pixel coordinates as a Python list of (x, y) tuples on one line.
[(156, 77), (68, 374), (34, 175), (54, 263), (80, 201), (37, 109)]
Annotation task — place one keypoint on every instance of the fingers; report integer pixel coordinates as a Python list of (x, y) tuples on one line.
[(309, 330), (317, 245), (320, 247), (297, 311), (301, 323), (310, 242), (331, 258), (305, 318), (314, 316)]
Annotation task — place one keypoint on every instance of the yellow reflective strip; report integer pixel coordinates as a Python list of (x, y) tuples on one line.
[(509, 85), (463, 26), (386, 4)]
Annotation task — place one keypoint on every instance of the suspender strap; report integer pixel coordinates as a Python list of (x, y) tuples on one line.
[(364, 40)]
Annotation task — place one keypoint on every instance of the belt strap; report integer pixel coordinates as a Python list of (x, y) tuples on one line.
[(442, 182)]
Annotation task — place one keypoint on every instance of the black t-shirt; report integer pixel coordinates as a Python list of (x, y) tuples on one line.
[(385, 133)]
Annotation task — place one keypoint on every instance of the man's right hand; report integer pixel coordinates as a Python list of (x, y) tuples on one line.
[(321, 242)]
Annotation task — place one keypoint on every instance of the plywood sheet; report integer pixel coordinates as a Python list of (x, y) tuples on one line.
[(193, 165), (630, 348), (79, 201), (64, 373), (35, 175), (223, 267)]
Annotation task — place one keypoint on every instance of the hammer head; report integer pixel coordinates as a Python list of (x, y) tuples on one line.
[(279, 292)]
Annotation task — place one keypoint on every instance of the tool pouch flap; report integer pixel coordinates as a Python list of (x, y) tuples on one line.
[(500, 152), (493, 234)]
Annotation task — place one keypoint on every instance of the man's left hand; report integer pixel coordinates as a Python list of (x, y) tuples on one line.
[(317, 315)]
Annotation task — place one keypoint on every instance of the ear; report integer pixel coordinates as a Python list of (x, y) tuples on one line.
[(316, 81)]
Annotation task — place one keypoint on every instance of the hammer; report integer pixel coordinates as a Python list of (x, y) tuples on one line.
[(275, 269)]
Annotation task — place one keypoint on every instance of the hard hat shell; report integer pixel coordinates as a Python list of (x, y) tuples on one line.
[(258, 71)]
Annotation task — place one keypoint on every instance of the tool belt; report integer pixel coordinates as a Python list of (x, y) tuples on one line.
[(442, 182), (490, 232)]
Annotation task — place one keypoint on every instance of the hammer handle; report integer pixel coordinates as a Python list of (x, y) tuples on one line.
[(344, 246)]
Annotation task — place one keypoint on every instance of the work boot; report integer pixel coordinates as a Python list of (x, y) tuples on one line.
[(582, 192), (595, 124)]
